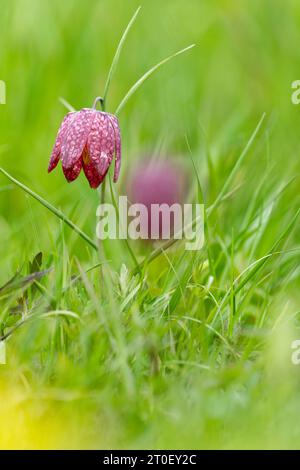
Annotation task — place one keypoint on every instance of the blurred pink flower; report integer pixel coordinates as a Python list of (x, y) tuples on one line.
[(156, 182), (88, 139)]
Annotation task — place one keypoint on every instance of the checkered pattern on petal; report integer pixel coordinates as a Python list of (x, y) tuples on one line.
[(75, 141), (72, 173), (100, 146), (56, 152), (92, 175)]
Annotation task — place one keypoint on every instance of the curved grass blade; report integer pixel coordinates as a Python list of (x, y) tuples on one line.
[(66, 313), (117, 55), (212, 329), (51, 208), (135, 87), (67, 105), (37, 317)]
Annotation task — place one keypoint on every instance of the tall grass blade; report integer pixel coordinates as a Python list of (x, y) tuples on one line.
[(117, 55), (136, 86), (239, 162), (113, 198)]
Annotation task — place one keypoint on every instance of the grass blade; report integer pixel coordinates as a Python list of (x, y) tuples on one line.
[(238, 162), (135, 87), (256, 266), (113, 198), (117, 55), (51, 208), (67, 105), (260, 263)]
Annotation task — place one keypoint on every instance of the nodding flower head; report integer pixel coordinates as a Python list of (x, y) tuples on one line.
[(88, 139)]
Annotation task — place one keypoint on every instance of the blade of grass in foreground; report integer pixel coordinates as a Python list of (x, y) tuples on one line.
[(135, 87), (51, 208), (117, 56)]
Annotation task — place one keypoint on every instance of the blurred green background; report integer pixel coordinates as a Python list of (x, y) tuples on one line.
[(246, 58)]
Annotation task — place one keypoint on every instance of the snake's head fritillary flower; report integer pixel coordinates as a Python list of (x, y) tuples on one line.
[(88, 139), (157, 182)]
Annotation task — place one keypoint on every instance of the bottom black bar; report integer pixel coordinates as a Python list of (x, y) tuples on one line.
[(134, 458)]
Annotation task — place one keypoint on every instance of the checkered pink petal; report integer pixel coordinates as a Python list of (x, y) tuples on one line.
[(92, 175), (107, 144), (73, 172), (90, 158), (75, 140), (56, 152)]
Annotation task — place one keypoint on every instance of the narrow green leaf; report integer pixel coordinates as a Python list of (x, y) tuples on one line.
[(260, 263), (54, 313), (113, 198), (51, 208), (201, 200), (200, 190), (238, 162), (181, 287), (26, 281), (117, 55), (135, 87), (256, 266), (67, 105)]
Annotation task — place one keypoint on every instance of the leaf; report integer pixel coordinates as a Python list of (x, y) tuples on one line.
[(258, 264), (181, 287), (135, 87), (18, 283), (36, 263), (117, 56), (34, 266), (7, 285), (130, 297), (241, 281), (51, 208), (238, 163), (55, 313), (113, 198), (67, 105)]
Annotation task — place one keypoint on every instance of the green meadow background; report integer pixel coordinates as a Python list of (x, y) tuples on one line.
[(196, 351)]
